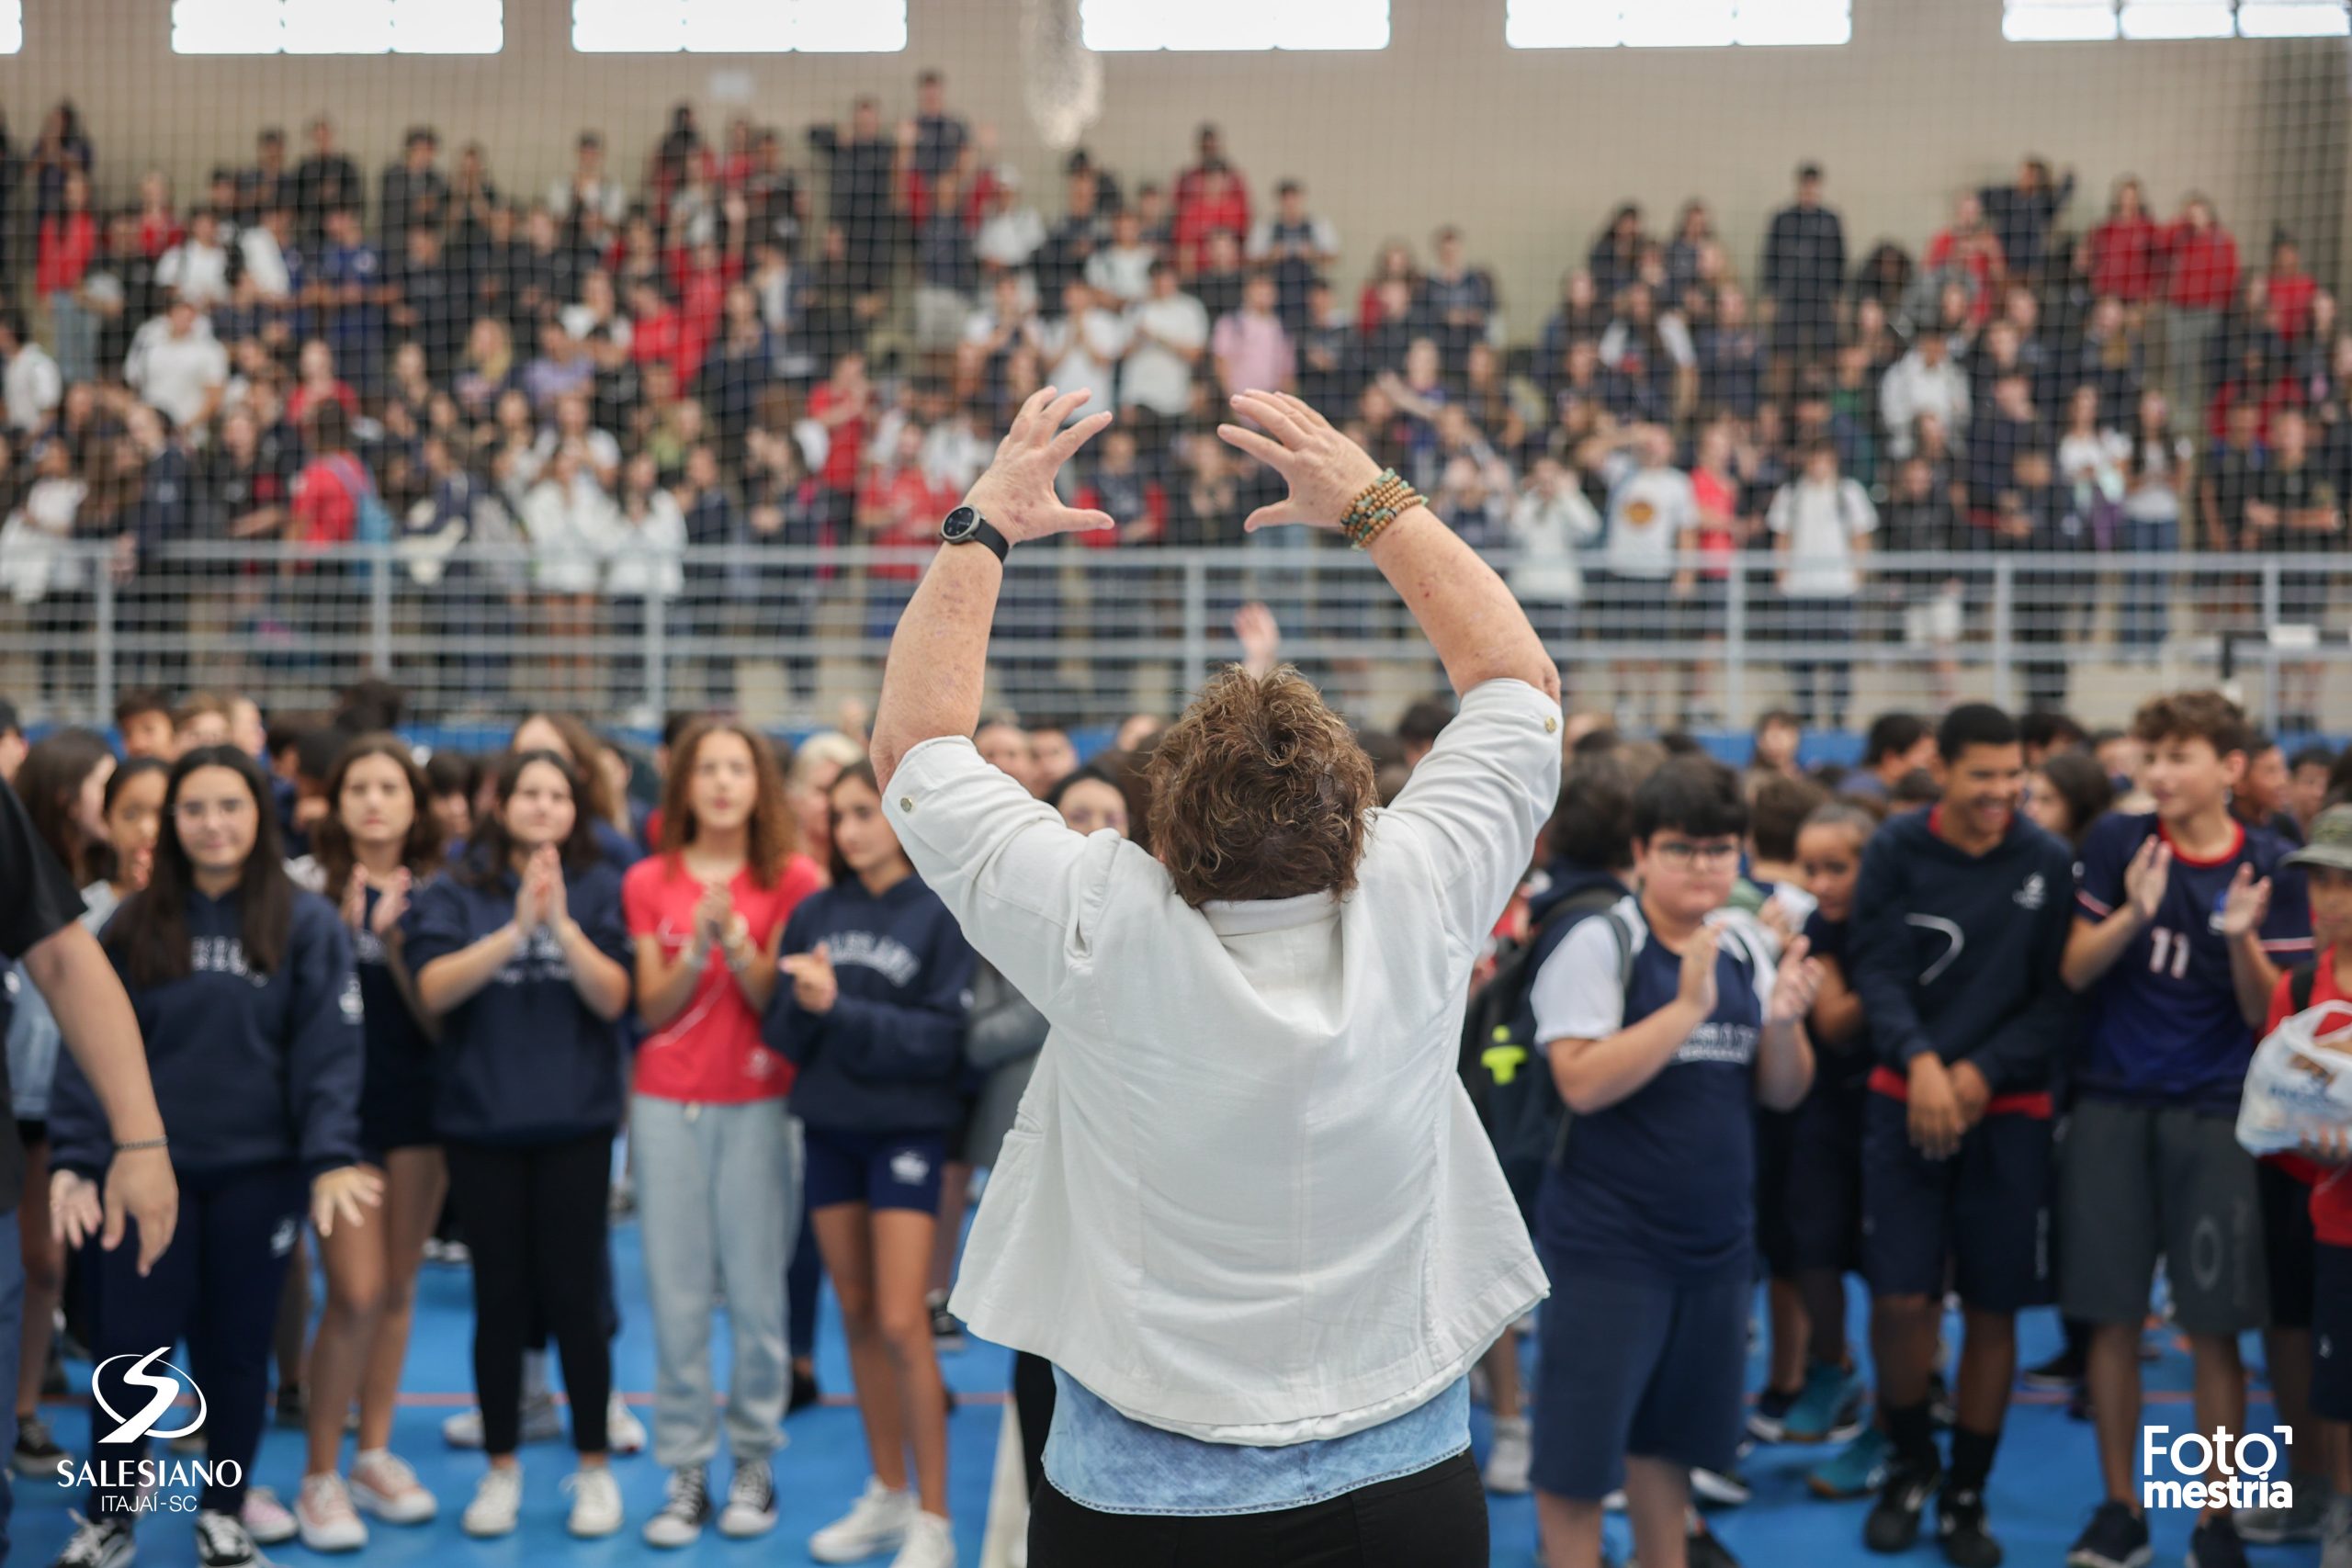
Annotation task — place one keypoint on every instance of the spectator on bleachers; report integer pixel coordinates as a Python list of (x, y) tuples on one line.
[(1924, 381), (2155, 471), (1549, 525), (2201, 278), (1253, 352), (861, 160), (60, 150), (2021, 216), (1821, 525), (196, 267), (2127, 248), (2231, 481), (1615, 259), (414, 191), (1456, 300), (178, 366), (1802, 269), (425, 302), (587, 184), (1171, 330), (1210, 197), (30, 384), (68, 246), (326, 182)]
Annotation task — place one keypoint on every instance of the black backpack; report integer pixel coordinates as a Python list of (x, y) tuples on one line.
[(1504, 1068), (2300, 981)]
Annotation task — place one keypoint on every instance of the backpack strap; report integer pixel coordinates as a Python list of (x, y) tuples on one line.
[(2301, 981), (1621, 931)]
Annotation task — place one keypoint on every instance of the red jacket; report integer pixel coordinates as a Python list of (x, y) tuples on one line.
[(2290, 301), (2124, 259), (2200, 270), (69, 243)]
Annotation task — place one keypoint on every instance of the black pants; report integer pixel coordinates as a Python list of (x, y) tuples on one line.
[(216, 1288), (1436, 1518), (1033, 1397), (535, 1223)]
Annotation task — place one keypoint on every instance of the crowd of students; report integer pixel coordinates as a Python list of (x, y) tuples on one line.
[(1970, 1016), (1980, 1011)]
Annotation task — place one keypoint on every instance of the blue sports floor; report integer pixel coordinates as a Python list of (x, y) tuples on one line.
[(2041, 1490)]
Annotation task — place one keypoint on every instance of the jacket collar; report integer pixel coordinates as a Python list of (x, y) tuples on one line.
[(1256, 916)]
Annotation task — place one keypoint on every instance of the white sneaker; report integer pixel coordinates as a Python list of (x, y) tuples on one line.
[(542, 1424), (498, 1501), (2336, 1534), (1509, 1459), (751, 1501), (383, 1485), (223, 1543), (624, 1433), (265, 1518), (931, 1543), (595, 1502), (876, 1525), (324, 1517)]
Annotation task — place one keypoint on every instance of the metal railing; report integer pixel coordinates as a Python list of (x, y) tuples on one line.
[(1087, 635)]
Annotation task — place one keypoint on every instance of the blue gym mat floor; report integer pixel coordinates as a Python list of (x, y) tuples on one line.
[(2041, 1491)]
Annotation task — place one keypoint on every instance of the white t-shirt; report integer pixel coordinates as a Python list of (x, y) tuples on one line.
[(1821, 523), (1578, 994), (1153, 377), (266, 262), (1647, 513), (33, 386), (175, 373), (1080, 351), (1125, 275), (197, 273)]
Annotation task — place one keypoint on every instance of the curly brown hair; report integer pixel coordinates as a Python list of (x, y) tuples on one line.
[(2194, 715), (1260, 791)]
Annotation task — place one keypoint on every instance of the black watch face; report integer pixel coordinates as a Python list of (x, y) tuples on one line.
[(960, 526)]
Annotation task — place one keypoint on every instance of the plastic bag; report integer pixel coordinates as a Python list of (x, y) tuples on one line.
[(2295, 1087)]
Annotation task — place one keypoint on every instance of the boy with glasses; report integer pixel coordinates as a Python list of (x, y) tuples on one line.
[(1959, 923), (1665, 1022)]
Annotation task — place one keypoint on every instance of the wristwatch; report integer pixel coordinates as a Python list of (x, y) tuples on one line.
[(967, 526)]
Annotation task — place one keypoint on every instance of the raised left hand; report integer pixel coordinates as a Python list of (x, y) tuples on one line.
[(1794, 984), (2246, 905), (1016, 494), (347, 1193)]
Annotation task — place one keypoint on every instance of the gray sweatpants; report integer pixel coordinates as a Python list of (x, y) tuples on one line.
[(719, 1206)]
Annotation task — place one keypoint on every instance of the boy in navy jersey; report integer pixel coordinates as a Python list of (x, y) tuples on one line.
[(1664, 1033), (2183, 919), (1959, 922)]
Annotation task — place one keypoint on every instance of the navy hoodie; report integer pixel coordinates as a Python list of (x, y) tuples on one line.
[(249, 1069), (522, 1060), (889, 1057), (1958, 954)]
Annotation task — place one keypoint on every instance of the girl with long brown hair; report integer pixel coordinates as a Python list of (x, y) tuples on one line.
[(377, 844), (709, 1119)]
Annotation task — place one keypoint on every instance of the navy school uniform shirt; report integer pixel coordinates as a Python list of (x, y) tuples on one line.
[(522, 1060), (1661, 1184), (889, 1057), (1957, 955), (397, 1099), (41, 902), (2165, 1027), (250, 1069)]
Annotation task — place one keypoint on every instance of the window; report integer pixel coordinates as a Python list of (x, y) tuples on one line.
[(2068, 21), (12, 27), (1233, 24), (738, 27), (337, 26), (1675, 24)]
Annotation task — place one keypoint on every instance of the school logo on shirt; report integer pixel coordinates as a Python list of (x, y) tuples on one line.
[(909, 1169), (2214, 922), (221, 955), (2034, 893), (353, 1006), (887, 955), (281, 1240)]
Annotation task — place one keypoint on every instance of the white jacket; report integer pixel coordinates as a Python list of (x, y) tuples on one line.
[(1548, 531), (1246, 1198), (571, 534), (648, 552)]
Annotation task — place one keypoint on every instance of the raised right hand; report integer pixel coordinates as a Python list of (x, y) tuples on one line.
[(2145, 879), (1697, 989), (1325, 470)]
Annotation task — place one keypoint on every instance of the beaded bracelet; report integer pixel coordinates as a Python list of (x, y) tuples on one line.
[(1381, 503)]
